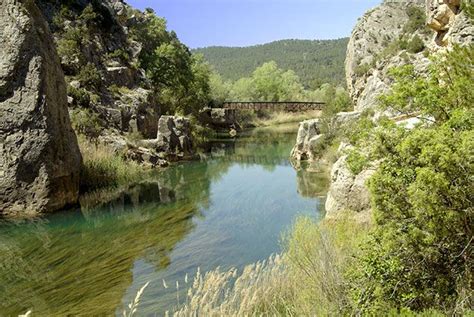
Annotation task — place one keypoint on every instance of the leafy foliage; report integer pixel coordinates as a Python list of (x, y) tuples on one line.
[(89, 77), (86, 122), (420, 253), (181, 78), (315, 62), (417, 19)]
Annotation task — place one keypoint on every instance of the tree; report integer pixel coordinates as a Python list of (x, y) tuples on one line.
[(420, 253)]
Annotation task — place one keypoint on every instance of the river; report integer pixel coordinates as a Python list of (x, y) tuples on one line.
[(229, 209)]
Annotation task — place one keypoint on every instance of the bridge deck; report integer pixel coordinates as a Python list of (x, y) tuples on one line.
[(279, 105)]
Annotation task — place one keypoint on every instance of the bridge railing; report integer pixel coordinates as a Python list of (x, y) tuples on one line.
[(278, 105)]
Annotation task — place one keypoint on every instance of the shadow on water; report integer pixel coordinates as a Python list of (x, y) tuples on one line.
[(226, 210)]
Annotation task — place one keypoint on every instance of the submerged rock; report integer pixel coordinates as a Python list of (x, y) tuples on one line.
[(39, 156)]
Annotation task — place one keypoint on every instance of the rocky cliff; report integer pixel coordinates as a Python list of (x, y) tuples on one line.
[(397, 33), (100, 58), (393, 34), (39, 156)]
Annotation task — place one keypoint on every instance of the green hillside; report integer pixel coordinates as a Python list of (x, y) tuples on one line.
[(314, 61)]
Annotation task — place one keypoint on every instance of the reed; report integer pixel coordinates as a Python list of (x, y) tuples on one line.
[(102, 167), (307, 279), (281, 117)]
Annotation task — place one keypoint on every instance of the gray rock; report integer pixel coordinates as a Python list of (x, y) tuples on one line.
[(145, 156), (121, 76), (375, 30), (220, 119), (451, 25), (306, 141), (347, 192), (39, 156), (174, 138), (140, 112)]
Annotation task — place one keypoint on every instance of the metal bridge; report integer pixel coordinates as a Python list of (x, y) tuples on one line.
[(290, 106)]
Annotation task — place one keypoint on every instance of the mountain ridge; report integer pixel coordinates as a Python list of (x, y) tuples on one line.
[(314, 61)]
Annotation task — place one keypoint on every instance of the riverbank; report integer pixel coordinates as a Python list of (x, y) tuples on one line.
[(252, 119), (226, 210)]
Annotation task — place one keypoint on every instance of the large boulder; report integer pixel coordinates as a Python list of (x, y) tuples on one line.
[(347, 192), (451, 25), (174, 138), (39, 156), (308, 138), (220, 119)]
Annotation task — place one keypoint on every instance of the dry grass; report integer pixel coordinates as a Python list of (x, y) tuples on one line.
[(260, 289), (102, 167), (276, 118), (307, 280)]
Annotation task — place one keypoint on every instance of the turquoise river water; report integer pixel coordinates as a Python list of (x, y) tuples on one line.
[(229, 209)]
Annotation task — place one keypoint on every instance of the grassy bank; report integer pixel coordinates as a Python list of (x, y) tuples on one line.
[(307, 279), (103, 168), (251, 118)]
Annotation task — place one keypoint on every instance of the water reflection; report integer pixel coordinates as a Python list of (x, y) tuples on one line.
[(227, 210)]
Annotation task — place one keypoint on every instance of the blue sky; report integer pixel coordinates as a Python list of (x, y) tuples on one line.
[(200, 23)]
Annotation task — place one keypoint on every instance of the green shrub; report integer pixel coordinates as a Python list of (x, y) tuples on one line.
[(356, 162), (416, 45), (417, 19), (89, 76), (87, 123), (120, 54), (69, 46), (80, 96), (418, 256), (468, 8), (362, 69)]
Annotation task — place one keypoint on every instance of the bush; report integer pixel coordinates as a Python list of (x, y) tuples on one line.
[(80, 96), (416, 45), (418, 256), (102, 168), (362, 69), (120, 54), (356, 162), (69, 46), (89, 76), (417, 19), (87, 123)]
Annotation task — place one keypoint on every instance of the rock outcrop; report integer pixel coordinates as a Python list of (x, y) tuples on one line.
[(449, 22), (367, 64), (368, 53), (379, 42), (307, 140), (174, 138), (220, 119), (348, 192), (39, 156)]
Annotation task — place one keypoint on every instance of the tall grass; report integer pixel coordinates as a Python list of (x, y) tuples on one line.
[(281, 117), (260, 289), (308, 279), (102, 167)]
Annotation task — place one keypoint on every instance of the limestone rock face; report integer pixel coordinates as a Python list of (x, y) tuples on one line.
[(450, 24), (174, 138), (308, 138), (347, 192), (366, 66), (220, 119), (39, 156)]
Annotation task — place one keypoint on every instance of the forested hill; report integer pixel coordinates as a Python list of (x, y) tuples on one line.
[(314, 61)]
